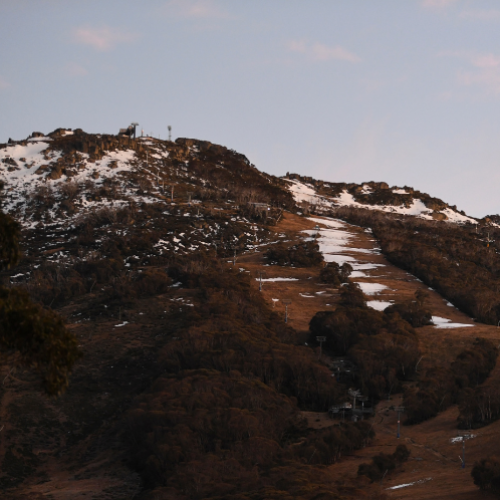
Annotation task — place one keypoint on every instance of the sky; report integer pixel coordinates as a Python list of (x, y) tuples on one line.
[(401, 91)]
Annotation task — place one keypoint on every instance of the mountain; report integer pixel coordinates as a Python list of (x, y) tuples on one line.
[(175, 264)]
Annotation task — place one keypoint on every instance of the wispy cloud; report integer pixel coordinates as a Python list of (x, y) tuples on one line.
[(4, 84), (438, 4), (481, 15), (197, 9), (320, 52), (483, 70), (104, 38), (75, 70)]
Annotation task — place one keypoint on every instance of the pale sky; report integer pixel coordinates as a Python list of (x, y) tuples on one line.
[(401, 91)]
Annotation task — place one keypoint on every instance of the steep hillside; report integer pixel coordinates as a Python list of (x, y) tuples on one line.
[(154, 252)]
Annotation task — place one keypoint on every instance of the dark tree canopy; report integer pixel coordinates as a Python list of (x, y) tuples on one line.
[(36, 336)]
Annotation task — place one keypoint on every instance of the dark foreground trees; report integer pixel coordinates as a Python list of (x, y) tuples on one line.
[(31, 336), (224, 421)]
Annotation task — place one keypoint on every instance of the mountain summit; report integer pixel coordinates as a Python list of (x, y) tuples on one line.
[(237, 330)]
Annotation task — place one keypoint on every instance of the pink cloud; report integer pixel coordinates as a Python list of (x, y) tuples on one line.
[(102, 39), (483, 71), (487, 78), (321, 52), (485, 61)]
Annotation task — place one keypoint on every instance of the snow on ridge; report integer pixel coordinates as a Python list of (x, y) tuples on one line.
[(306, 193), (417, 207), (303, 192)]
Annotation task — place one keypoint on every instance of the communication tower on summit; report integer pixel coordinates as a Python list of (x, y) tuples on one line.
[(134, 124), (129, 131), (169, 133)]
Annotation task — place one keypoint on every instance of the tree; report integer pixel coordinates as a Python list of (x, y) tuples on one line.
[(30, 335)]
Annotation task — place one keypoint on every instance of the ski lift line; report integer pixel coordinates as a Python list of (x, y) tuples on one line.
[(286, 302)]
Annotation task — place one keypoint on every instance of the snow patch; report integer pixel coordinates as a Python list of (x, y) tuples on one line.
[(378, 305), (371, 288), (446, 323)]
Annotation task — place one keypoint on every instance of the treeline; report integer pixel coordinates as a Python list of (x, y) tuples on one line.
[(441, 387), (479, 406), (224, 421), (462, 265), (383, 346)]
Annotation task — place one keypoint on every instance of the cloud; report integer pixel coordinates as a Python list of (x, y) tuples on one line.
[(481, 15), (483, 70), (102, 39), (321, 52), (75, 70), (438, 4), (197, 9), (4, 84)]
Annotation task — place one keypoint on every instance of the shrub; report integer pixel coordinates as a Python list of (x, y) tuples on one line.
[(351, 295), (383, 463), (413, 311), (305, 254), (333, 274), (486, 474)]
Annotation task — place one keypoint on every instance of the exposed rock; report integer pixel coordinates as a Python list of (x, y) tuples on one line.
[(438, 216), (56, 173)]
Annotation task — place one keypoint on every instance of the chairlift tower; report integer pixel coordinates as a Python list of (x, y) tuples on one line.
[(354, 393), (261, 273), (464, 436), (399, 409), (321, 339), (286, 302)]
